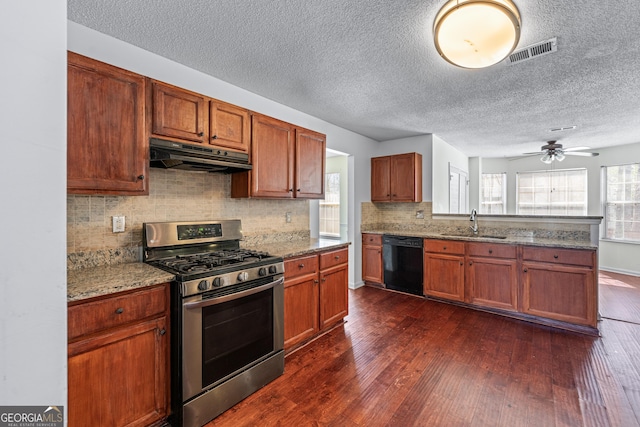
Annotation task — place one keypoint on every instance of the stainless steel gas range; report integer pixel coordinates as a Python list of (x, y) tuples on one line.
[(227, 310)]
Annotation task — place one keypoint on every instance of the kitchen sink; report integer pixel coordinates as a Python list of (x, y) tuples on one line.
[(475, 236)]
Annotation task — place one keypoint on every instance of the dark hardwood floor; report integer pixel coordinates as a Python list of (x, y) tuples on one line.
[(405, 361)]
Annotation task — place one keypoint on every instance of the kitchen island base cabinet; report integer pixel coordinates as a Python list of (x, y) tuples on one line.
[(315, 295), (372, 272), (118, 360), (444, 269), (492, 275)]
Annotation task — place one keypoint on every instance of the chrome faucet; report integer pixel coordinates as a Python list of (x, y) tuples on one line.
[(474, 218)]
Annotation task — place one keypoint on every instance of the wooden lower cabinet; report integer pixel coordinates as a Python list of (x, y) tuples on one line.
[(492, 276), (560, 284), (118, 359), (444, 269), (372, 258), (541, 284), (315, 295)]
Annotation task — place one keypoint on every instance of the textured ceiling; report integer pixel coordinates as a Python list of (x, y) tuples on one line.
[(370, 66)]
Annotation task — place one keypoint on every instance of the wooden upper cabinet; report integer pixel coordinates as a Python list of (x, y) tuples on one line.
[(177, 113), (396, 178), (229, 126), (272, 157), (288, 162), (380, 179), (107, 146), (189, 117), (310, 164)]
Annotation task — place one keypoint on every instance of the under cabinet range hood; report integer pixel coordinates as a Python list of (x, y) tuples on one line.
[(174, 155)]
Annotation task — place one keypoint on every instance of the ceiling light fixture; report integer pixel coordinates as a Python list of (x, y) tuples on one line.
[(552, 155), (476, 33)]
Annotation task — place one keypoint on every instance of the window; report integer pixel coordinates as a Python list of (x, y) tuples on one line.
[(556, 192), (621, 201), (330, 206), (458, 183), (493, 193)]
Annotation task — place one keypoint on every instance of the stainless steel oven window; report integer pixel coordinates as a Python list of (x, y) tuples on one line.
[(222, 336)]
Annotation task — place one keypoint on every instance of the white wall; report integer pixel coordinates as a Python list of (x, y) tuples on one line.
[(33, 294), (615, 256), (104, 48), (443, 155)]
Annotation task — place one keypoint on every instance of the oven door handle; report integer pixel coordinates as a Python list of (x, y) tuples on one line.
[(220, 300)]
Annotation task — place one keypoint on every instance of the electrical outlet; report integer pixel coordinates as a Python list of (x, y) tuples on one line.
[(288, 216), (118, 224), (420, 214)]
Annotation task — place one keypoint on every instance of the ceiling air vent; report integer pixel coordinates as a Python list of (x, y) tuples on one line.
[(533, 51)]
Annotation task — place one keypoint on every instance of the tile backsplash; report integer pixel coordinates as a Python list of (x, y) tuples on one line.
[(177, 196)]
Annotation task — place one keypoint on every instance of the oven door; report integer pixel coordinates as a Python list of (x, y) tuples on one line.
[(225, 332)]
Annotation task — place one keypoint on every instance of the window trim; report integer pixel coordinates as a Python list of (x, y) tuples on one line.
[(551, 171), (603, 205), (504, 193)]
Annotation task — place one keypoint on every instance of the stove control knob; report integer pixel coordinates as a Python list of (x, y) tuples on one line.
[(217, 282), (242, 277), (262, 271), (203, 285), (273, 269)]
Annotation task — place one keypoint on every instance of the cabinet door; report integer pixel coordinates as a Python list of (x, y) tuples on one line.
[(107, 147), (300, 309), (272, 158), (380, 184), (230, 126), (178, 113), (310, 164), (444, 276), (406, 177), (493, 283), (560, 292), (119, 378), (372, 264), (334, 295)]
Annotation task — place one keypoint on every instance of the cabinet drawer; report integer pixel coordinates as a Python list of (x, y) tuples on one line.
[(329, 259), (491, 250), (444, 246), (295, 267), (558, 256), (372, 239), (90, 317)]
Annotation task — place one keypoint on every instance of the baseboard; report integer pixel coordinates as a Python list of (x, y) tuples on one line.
[(620, 271)]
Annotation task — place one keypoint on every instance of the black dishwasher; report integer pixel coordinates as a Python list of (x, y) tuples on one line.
[(402, 263)]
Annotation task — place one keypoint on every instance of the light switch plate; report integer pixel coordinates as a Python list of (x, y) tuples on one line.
[(420, 214), (118, 224)]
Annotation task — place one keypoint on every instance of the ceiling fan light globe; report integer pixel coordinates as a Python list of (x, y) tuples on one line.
[(547, 158), (559, 157)]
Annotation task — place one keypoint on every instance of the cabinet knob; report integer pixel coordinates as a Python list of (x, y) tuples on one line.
[(379, 251), (200, 133), (490, 251), (299, 190), (470, 262), (140, 177), (555, 256), (461, 263), (525, 270), (444, 248), (315, 281), (119, 310), (291, 190), (162, 331), (324, 279), (214, 137), (337, 257), (300, 265)]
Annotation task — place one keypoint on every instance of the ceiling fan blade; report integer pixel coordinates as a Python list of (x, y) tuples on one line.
[(572, 153), (575, 149), (533, 153)]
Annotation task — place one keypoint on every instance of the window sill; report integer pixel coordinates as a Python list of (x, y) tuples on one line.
[(628, 242)]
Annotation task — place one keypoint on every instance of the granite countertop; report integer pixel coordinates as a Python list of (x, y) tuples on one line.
[(104, 280), (520, 240), (300, 247), (97, 281)]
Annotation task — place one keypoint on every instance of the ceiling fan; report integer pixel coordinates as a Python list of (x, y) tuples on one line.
[(552, 150)]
